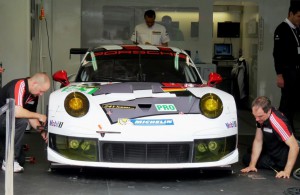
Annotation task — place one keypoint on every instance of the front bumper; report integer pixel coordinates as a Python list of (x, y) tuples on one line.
[(157, 155)]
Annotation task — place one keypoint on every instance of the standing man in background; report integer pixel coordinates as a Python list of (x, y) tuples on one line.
[(174, 33), (150, 32), (286, 55)]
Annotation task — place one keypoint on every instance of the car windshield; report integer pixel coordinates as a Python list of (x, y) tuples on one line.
[(137, 66)]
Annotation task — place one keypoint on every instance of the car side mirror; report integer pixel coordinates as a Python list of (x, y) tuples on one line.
[(213, 79), (62, 77)]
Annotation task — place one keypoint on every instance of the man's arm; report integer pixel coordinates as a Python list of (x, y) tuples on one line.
[(279, 51), (21, 112), (35, 123), (292, 157), (256, 150)]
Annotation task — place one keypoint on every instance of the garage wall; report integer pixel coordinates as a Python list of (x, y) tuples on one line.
[(15, 44), (266, 76)]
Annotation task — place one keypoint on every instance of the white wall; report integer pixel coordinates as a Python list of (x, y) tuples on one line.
[(250, 45), (15, 42), (272, 12)]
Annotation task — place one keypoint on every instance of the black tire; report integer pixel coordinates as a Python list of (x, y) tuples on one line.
[(296, 174)]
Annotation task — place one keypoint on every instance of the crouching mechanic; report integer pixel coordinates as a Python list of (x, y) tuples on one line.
[(25, 92), (274, 146)]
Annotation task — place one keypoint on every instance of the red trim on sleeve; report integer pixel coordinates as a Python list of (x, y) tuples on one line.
[(19, 92), (280, 127)]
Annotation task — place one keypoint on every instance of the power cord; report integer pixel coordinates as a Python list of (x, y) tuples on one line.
[(42, 17)]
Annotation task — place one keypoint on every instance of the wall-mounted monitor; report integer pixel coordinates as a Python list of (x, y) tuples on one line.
[(228, 30)]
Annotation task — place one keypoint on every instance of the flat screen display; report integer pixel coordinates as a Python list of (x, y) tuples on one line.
[(228, 30), (222, 49)]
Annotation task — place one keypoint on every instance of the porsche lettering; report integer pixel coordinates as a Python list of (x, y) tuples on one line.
[(133, 52)]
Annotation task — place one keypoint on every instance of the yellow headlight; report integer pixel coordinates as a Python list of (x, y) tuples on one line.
[(76, 104), (211, 105)]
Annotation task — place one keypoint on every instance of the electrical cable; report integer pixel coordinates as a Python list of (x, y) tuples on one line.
[(48, 39), (41, 17)]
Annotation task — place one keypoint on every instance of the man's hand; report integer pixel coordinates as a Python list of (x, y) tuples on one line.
[(42, 118), (249, 169), (44, 135), (283, 174), (280, 81), (43, 132)]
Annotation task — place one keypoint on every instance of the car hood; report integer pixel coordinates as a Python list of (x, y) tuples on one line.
[(147, 99)]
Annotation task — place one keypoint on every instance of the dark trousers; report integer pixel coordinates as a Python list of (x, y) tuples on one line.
[(290, 95), (20, 127), (265, 161)]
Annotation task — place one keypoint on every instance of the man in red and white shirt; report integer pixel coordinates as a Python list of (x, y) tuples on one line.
[(25, 92), (274, 146)]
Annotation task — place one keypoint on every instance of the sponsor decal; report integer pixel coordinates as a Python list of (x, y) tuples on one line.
[(58, 124), (30, 100), (150, 122), (83, 89), (268, 130), (231, 124), (146, 122), (165, 107), (109, 106)]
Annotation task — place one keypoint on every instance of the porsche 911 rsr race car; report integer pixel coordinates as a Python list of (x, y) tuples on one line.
[(141, 107)]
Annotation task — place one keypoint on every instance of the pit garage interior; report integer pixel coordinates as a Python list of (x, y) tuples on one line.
[(32, 42)]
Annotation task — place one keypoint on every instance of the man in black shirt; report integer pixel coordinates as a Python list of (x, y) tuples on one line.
[(25, 91), (286, 55), (274, 146)]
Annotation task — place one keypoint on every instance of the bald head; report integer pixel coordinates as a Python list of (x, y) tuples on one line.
[(39, 83)]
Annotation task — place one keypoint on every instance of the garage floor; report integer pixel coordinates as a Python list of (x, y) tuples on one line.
[(38, 179)]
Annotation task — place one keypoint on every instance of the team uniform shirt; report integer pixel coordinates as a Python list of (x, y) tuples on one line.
[(18, 90), (276, 130), (155, 35), (286, 50)]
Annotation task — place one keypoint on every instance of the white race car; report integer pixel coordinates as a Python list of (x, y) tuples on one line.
[(141, 107)]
